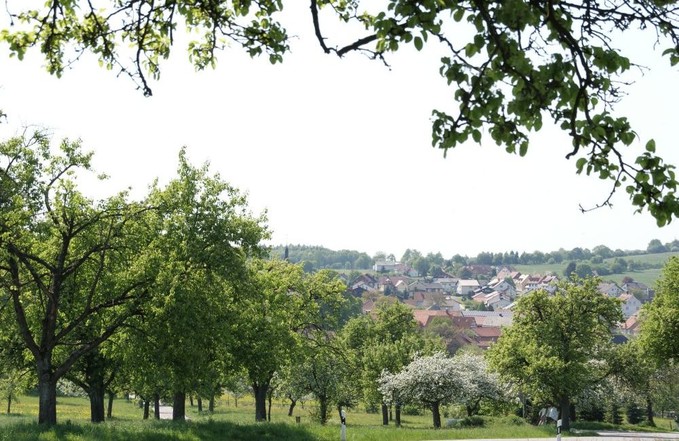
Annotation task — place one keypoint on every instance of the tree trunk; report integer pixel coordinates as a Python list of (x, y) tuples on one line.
[(260, 400), (96, 394), (109, 409), (200, 404), (211, 404), (436, 415), (565, 404), (9, 403), (649, 411), (147, 405), (179, 406), (391, 413), (156, 406), (269, 399), (323, 404), (292, 406), (398, 415), (47, 392), (385, 415)]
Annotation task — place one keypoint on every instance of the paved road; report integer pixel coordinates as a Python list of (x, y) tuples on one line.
[(605, 436)]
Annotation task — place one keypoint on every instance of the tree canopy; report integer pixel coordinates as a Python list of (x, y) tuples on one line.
[(512, 64), (558, 344)]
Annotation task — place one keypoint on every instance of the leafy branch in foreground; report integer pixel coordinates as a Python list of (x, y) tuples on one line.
[(512, 64)]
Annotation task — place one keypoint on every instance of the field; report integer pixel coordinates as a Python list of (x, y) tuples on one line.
[(236, 423), (647, 277)]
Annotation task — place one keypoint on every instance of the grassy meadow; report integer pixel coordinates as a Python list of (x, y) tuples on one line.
[(648, 276), (232, 423)]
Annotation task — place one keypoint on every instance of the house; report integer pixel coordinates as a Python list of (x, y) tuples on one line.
[(489, 318), (643, 292), (424, 316), (433, 287), (611, 289), (386, 266), (368, 306), (631, 325), (449, 284), (630, 305), (504, 287), (467, 286), (496, 301), (365, 282), (451, 304), (486, 336)]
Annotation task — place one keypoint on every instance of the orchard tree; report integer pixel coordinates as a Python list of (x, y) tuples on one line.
[(282, 310), (512, 65), (559, 344), (205, 235), (429, 381), (66, 261), (480, 384), (386, 341)]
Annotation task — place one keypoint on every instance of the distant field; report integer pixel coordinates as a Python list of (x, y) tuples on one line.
[(647, 277)]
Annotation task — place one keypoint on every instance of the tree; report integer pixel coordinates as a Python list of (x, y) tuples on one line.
[(281, 309), (570, 269), (206, 234), (66, 261), (655, 246), (660, 318), (430, 381), (558, 344), (519, 63), (480, 384)]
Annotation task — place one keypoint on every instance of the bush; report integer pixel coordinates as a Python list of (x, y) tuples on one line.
[(372, 408), (472, 421), (512, 420), (412, 410)]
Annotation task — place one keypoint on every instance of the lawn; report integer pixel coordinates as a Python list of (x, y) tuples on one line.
[(229, 422)]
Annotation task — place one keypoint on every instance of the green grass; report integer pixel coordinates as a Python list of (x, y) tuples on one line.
[(236, 423), (232, 423)]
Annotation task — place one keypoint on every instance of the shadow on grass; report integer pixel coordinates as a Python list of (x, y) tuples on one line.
[(155, 431)]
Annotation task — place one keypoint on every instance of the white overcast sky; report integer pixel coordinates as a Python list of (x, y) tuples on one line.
[(339, 151)]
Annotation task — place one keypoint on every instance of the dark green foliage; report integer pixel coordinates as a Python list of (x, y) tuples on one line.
[(635, 414), (411, 409), (595, 412), (318, 257), (614, 415)]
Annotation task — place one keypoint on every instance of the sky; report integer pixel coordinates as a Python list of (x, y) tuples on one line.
[(338, 151)]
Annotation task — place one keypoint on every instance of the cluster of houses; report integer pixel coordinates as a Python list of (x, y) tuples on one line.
[(444, 297)]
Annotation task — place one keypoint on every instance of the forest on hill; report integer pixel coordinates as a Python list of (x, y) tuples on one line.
[(600, 260)]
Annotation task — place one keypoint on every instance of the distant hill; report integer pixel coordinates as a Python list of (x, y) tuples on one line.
[(318, 257)]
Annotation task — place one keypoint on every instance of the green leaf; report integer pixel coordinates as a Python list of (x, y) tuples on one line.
[(580, 163), (418, 43), (650, 146)]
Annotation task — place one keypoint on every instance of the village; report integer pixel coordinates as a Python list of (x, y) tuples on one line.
[(479, 307)]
